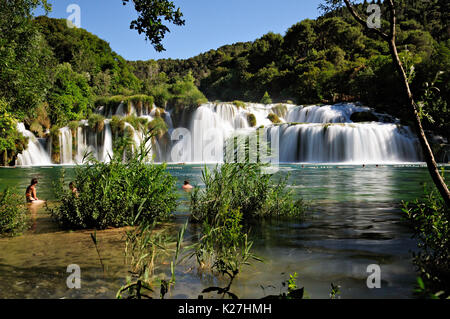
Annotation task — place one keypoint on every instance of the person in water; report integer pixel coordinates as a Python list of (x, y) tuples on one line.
[(73, 189), (187, 187), (31, 191)]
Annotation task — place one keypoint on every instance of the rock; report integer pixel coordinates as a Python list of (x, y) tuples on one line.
[(363, 117)]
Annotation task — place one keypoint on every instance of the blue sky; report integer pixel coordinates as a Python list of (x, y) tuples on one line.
[(209, 24)]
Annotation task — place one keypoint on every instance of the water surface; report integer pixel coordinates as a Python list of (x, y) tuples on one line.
[(354, 221)]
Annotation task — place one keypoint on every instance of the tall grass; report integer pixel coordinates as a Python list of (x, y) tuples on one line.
[(116, 194), (243, 187)]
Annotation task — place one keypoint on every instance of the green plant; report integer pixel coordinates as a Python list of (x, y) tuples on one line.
[(266, 98), (274, 118), (251, 119), (429, 219), (224, 248), (146, 247), (243, 187), (13, 218), (293, 292), (117, 193), (239, 104), (96, 122), (335, 291)]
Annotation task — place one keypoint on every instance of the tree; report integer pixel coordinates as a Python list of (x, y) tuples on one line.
[(266, 98), (149, 22), (390, 38)]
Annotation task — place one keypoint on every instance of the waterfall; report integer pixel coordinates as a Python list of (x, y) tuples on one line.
[(346, 143), (306, 134), (107, 143), (35, 154), (65, 142)]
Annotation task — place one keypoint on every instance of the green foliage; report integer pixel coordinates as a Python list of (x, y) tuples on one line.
[(158, 126), (251, 119), (70, 98), (239, 104), (266, 99), (185, 94), (13, 218), (293, 292), (429, 219), (224, 248), (151, 14), (11, 141), (274, 118), (146, 248), (96, 122), (246, 188), (116, 193)]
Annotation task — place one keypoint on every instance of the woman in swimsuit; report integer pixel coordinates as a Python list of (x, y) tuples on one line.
[(31, 191)]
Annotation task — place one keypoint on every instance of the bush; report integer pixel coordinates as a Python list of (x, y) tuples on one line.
[(246, 188), (96, 122), (428, 217), (13, 219), (239, 104), (116, 194), (266, 99), (251, 119), (274, 118)]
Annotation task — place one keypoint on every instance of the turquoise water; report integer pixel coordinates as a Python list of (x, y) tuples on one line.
[(354, 221)]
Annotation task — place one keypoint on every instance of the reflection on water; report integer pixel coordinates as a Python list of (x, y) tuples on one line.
[(354, 221)]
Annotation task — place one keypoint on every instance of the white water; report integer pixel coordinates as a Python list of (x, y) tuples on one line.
[(35, 154), (313, 134)]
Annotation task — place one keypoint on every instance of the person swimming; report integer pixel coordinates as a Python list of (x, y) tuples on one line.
[(73, 188), (187, 187), (30, 193)]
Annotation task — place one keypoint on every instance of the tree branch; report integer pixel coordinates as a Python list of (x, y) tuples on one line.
[(363, 22)]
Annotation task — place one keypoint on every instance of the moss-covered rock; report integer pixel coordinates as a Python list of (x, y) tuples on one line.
[(274, 118), (96, 122), (251, 119)]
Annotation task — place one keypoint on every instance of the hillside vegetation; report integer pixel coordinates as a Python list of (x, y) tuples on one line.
[(52, 75)]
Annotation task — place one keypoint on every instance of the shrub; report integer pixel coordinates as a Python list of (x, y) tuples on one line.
[(274, 118), (116, 193), (239, 104), (251, 119), (246, 188), (137, 122), (266, 99), (56, 147), (280, 110), (429, 217), (158, 126), (96, 122), (13, 219), (117, 124), (36, 128)]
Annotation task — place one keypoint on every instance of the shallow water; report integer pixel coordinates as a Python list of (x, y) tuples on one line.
[(354, 221)]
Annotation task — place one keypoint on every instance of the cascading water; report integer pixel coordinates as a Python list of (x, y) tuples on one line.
[(315, 134), (35, 154), (65, 142)]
